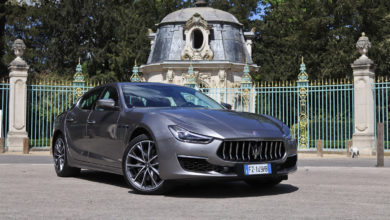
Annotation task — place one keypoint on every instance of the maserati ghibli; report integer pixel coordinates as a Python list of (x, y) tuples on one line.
[(156, 134)]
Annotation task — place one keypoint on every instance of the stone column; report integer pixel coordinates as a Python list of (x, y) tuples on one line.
[(249, 37), (151, 37), (363, 72), (17, 99)]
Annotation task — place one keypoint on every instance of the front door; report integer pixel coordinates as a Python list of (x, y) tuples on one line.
[(76, 125), (102, 133)]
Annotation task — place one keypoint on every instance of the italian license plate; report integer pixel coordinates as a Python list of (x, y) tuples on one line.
[(256, 169)]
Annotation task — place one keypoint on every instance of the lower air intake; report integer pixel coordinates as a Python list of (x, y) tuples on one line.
[(197, 165)]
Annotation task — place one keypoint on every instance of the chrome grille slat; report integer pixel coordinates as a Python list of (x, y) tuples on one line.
[(252, 151), (280, 150), (249, 151), (237, 147), (243, 151), (261, 150), (274, 150), (223, 151), (230, 152)]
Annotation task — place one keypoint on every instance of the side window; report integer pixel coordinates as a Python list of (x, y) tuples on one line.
[(134, 101), (110, 93), (89, 99)]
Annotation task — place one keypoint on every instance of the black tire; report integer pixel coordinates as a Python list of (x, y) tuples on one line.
[(60, 158), (140, 170), (264, 182)]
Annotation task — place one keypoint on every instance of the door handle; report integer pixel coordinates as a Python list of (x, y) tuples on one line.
[(70, 119), (91, 122)]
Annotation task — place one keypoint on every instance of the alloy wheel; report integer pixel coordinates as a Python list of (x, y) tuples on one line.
[(59, 154), (142, 166)]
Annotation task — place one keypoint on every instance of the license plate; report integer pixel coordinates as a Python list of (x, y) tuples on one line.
[(255, 169)]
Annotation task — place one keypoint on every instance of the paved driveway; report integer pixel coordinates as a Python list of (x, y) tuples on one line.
[(29, 190)]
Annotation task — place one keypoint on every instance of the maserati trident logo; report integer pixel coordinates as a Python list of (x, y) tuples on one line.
[(255, 152)]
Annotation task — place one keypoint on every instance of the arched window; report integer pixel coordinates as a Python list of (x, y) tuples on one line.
[(197, 39)]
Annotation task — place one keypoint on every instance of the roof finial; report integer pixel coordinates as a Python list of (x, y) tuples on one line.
[(135, 77), (201, 3), (79, 68), (363, 44), (302, 76), (18, 47)]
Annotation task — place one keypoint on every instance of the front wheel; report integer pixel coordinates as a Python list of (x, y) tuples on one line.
[(141, 166), (61, 159)]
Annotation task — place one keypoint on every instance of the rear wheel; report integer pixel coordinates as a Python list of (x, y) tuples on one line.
[(61, 159), (267, 182), (141, 166)]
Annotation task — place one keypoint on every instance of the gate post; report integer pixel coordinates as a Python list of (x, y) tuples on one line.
[(303, 83), (364, 119), (17, 99), (78, 82), (247, 90)]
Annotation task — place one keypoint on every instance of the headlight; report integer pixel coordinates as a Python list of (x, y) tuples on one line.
[(182, 134)]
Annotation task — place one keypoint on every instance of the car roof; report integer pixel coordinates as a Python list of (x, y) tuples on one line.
[(147, 83), (119, 84), (136, 83)]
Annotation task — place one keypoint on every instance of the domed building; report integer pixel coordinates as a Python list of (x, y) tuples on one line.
[(210, 40)]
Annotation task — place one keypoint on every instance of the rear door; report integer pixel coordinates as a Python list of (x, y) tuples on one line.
[(76, 125), (106, 147)]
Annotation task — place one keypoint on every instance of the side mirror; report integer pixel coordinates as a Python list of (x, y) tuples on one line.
[(228, 106), (106, 104)]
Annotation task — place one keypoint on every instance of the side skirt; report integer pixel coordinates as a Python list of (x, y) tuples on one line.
[(92, 166)]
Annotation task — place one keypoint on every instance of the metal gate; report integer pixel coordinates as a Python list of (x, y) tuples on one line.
[(382, 107), (4, 100)]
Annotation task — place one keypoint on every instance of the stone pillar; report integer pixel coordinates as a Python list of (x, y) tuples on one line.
[(363, 73), (17, 99), (151, 37), (249, 37)]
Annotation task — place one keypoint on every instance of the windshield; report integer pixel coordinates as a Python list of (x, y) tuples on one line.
[(153, 95)]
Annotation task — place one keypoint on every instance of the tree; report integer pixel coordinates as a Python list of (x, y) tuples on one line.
[(242, 10), (3, 68), (108, 35), (324, 32)]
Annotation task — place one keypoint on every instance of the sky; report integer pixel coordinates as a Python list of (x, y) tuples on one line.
[(258, 16)]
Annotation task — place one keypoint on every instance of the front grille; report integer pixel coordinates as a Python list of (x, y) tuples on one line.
[(251, 151), (197, 165)]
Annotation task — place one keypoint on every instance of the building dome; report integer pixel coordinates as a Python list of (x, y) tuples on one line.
[(209, 14), (200, 33), (209, 40)]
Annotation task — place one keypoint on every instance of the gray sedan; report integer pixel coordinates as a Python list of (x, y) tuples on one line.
[(156, 134)]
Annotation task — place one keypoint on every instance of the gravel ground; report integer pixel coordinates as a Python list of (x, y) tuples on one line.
[(320, 189)]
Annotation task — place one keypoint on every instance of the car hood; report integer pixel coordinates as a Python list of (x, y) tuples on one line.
[(224, 124)]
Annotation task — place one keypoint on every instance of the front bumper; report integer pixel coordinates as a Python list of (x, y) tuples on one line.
[(175, 158)]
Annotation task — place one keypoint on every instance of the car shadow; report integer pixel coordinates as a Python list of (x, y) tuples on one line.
[(228, 190), (102, 177), (208, 189)]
